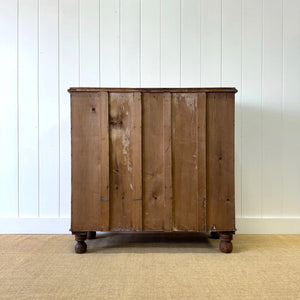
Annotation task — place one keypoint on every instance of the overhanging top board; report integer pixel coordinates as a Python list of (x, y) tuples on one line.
[(157, 90)]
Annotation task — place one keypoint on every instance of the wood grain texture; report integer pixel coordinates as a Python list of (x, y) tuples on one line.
[(155, 90), (188, 160), (89, 165), (157, 162), (104, 161), (220, 162), (125, 162)]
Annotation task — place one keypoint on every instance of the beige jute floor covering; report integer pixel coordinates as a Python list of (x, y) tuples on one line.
[(147, 266)]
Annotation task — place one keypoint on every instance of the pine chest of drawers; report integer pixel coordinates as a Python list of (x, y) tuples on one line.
[(152, 159)]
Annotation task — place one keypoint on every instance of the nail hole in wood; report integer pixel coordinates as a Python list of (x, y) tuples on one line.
[(93, 109)]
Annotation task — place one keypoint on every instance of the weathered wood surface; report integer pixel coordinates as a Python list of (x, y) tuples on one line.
[(125, 161), (220, 162), (188, 157), (154, 90), (152, 161), (157, 163), (89, 161), (104, 159)]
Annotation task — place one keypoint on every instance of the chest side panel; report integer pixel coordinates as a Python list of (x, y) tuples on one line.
[(220, 162), (90, 169)]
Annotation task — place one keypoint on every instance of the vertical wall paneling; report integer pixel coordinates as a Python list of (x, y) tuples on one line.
[(251, 107), (68, 76), (48, 109), (170, 43), (109, 43), (211, 43), (231, 76), (130, 43), (28, 108), (291, 100), (46, 46), (272, 196), (150, 43), (190, 43), (89, 42), (9, 108)]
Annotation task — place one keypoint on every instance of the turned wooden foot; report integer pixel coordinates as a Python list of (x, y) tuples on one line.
[(80, 247), (91, 235), (214, 235), (225, 242)]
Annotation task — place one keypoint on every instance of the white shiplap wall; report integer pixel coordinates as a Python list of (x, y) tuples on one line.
[(46, 46)]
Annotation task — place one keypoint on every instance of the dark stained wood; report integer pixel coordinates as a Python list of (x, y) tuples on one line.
[(201, 160), (91, 235), (225, 242), (89, 166), (188, 144), (155, 90), (80, 246), (157, 168), (125, 162), (220, 162), (214, 235)]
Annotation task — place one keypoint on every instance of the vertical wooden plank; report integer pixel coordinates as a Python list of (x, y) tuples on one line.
[(211, 43), (220, 162), (68, 76), (90, 165), (190, 43), (251, 108), (109, 43), (272, 137), (188, 157), (201, 162), (28, 108), (170, 43), (157, 162), (150, 43), (48, 109), (104, 162), (231, 76), (130, 43), (136, 154), (89, 43), (9, 109), (291, 106), (125, 162)]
